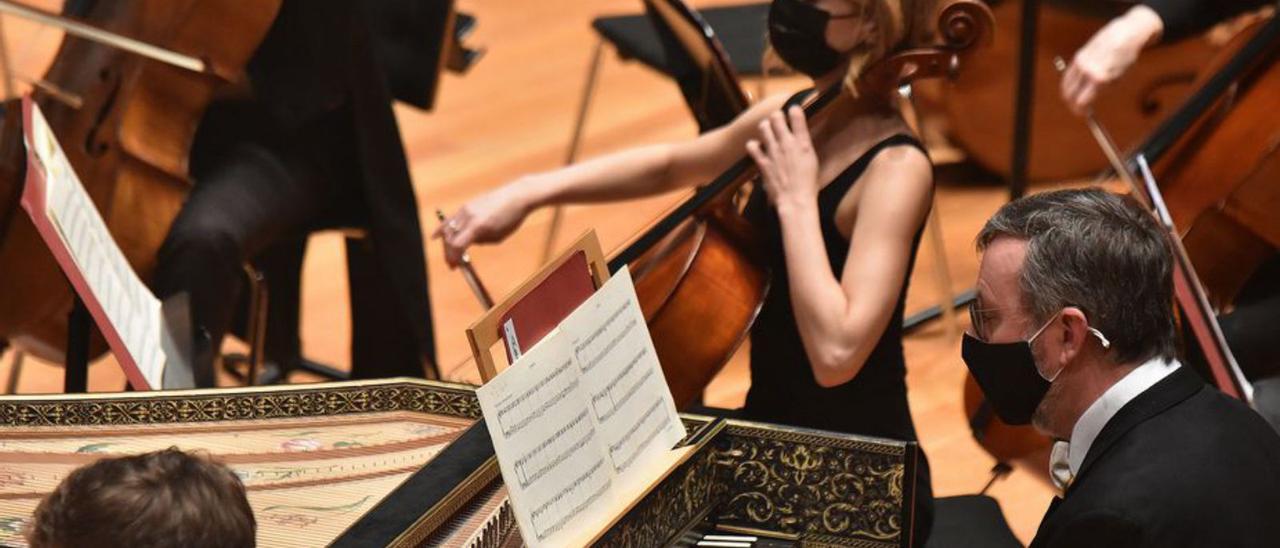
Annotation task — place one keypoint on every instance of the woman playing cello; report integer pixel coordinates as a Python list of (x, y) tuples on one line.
[(842, 207)]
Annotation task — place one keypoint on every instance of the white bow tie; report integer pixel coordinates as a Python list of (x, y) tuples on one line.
[(1060, 466)]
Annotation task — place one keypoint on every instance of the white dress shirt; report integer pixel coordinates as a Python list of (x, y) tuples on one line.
[(1066, 458)]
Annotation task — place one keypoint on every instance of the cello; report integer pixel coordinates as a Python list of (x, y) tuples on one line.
[(124, 94), (697, 277)]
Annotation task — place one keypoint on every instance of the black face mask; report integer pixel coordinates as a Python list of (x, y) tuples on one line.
[(798, 32), (1007, 374)]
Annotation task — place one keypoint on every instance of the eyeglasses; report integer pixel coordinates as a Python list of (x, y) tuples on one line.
[(978, 318), (978, 323)]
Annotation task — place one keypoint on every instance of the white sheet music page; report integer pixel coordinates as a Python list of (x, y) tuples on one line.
[(622, 377), (583, 421), (133, 311), (548, 444)]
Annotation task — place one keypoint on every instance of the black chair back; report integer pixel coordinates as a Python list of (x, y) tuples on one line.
[(698, 63)]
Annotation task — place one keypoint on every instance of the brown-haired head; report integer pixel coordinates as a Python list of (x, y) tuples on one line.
[(163, 498)]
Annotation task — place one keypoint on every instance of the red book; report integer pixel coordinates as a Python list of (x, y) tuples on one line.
[(546, 305)]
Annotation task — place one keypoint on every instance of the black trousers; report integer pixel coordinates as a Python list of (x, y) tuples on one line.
[(258, 194)]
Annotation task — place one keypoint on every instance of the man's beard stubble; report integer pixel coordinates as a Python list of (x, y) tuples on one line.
[(1043, 418)]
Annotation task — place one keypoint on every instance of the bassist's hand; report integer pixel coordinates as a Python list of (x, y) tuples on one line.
[(1108, 55)]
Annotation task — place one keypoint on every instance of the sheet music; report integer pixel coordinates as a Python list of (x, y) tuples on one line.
[(582, 419), (621, 374), (547, 442), (133, 311)]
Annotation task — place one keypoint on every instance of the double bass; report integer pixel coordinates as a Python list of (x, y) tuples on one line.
[(697, 276), (978, 107), (126, 122)]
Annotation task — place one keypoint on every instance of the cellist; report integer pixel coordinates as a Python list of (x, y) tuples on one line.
[(840, 214), (312, 142), (1250, 327)]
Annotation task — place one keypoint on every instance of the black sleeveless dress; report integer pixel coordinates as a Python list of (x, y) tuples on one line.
[(783, 387)]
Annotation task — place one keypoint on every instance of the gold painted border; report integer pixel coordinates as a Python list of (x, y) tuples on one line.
[(249, 403), (41, 412), (417, 533), (866, 444)]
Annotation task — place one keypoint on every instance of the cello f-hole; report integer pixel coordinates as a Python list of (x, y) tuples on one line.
[(1149, 104), (94, 145)]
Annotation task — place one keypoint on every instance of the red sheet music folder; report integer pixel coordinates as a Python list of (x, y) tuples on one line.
[(34, 201), (546, 305)]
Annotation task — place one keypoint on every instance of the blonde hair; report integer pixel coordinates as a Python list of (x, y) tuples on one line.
[(898, 24), (891, 32)]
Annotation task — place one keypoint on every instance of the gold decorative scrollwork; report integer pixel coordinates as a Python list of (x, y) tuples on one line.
[(221, 405), (828, 489), (680, 501)]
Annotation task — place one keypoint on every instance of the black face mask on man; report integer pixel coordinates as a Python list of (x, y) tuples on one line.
[(798, 33), (1008, 375)]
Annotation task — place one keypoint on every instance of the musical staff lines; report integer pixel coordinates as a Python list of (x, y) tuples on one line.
[(588, 365), (593, 475), (584, 404), (606, 404), (520, 405), (542, 465), (131, 310), (656, 423)]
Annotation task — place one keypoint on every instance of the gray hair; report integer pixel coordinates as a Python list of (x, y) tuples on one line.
[(1098, 252)]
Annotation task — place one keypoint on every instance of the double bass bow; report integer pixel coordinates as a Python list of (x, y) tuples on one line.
[(697, 276), (1188, 290), (124, 94)]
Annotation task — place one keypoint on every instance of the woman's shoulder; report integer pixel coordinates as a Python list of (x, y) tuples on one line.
[(898, 160), (893, 148), (902, 149)]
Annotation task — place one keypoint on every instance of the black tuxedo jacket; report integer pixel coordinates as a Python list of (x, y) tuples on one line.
[(1180, 465)]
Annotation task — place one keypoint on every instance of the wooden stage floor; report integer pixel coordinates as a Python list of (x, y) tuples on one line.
[(513, 114)]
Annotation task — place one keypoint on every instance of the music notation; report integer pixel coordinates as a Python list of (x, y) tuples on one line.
[(520, 407), (623, 364), (131, 310), (544, 461), (603, 353), (607, 402), (574, 491), (585, 404), (653, 420)]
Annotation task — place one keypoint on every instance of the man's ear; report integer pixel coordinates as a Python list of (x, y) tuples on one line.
[(1075, 333)]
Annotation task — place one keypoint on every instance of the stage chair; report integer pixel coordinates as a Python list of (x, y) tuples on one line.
[(682, 44), (250, 366)]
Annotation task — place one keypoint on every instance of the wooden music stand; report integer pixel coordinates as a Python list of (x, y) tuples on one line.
[(546, 295)]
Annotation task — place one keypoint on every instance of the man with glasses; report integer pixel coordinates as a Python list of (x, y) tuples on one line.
[(1073, 332)]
